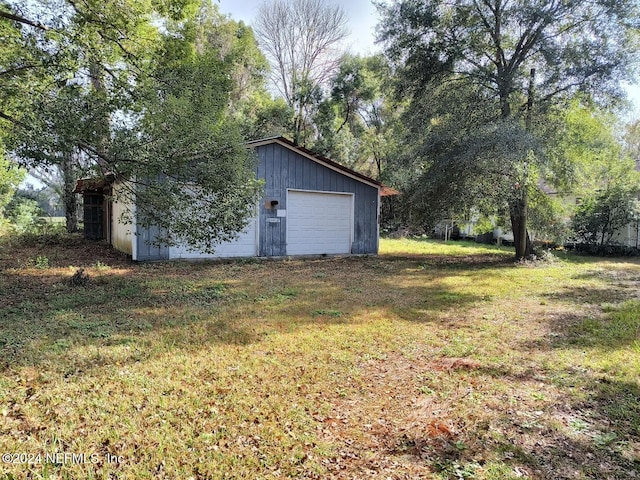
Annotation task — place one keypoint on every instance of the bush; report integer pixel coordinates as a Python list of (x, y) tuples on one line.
[(606, 250), (25, 215), (45, 233), (598, 219)]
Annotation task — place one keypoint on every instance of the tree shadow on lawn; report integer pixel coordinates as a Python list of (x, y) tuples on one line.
[(585, 295), (602, 325), (617, 281), (429, 303), (593, 430), (50, 315), (606, 313), (617, 272), (476, 261), (60, 252), (612, 336), (190, 305), (589, 427), (595, 437)]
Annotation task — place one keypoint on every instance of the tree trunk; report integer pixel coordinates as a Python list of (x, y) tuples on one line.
[(296, 130), (519, 209), (346, 118), (96, 73), (378, 161), (505, 106), (69, 199), (519, 216), (297, 127)]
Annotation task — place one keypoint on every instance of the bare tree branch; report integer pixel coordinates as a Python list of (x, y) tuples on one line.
[(300, 40), (23, 20)]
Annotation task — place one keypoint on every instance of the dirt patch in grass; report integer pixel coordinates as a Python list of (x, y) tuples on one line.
[(400, 422)]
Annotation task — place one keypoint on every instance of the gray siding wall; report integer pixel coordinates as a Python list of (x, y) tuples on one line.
[(282, 168), (146, 251)]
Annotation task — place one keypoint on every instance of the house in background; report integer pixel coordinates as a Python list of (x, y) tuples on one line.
[(311, 206), (626, 236)]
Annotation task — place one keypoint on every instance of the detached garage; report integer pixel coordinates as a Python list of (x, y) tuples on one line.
[(311, 206)]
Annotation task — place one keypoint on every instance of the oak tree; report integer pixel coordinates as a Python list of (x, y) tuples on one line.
[(512, 59)]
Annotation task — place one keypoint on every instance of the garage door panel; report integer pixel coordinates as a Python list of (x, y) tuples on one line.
[(243, 246), (319, 223)]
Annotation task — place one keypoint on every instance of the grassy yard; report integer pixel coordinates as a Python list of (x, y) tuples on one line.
[(432, 360)]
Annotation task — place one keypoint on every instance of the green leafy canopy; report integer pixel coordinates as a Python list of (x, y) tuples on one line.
[(481, 77), (143, 90)]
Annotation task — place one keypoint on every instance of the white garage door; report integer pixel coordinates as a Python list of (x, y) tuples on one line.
[(319, 223), (244, 246)]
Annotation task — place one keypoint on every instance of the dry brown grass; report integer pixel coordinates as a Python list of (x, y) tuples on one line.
[(429, 361)]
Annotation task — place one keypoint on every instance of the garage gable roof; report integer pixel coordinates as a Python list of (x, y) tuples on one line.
[(384, 190)]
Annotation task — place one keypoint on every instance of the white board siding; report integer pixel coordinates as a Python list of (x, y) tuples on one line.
[(244, 246), (319, 223), (121, 237)]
